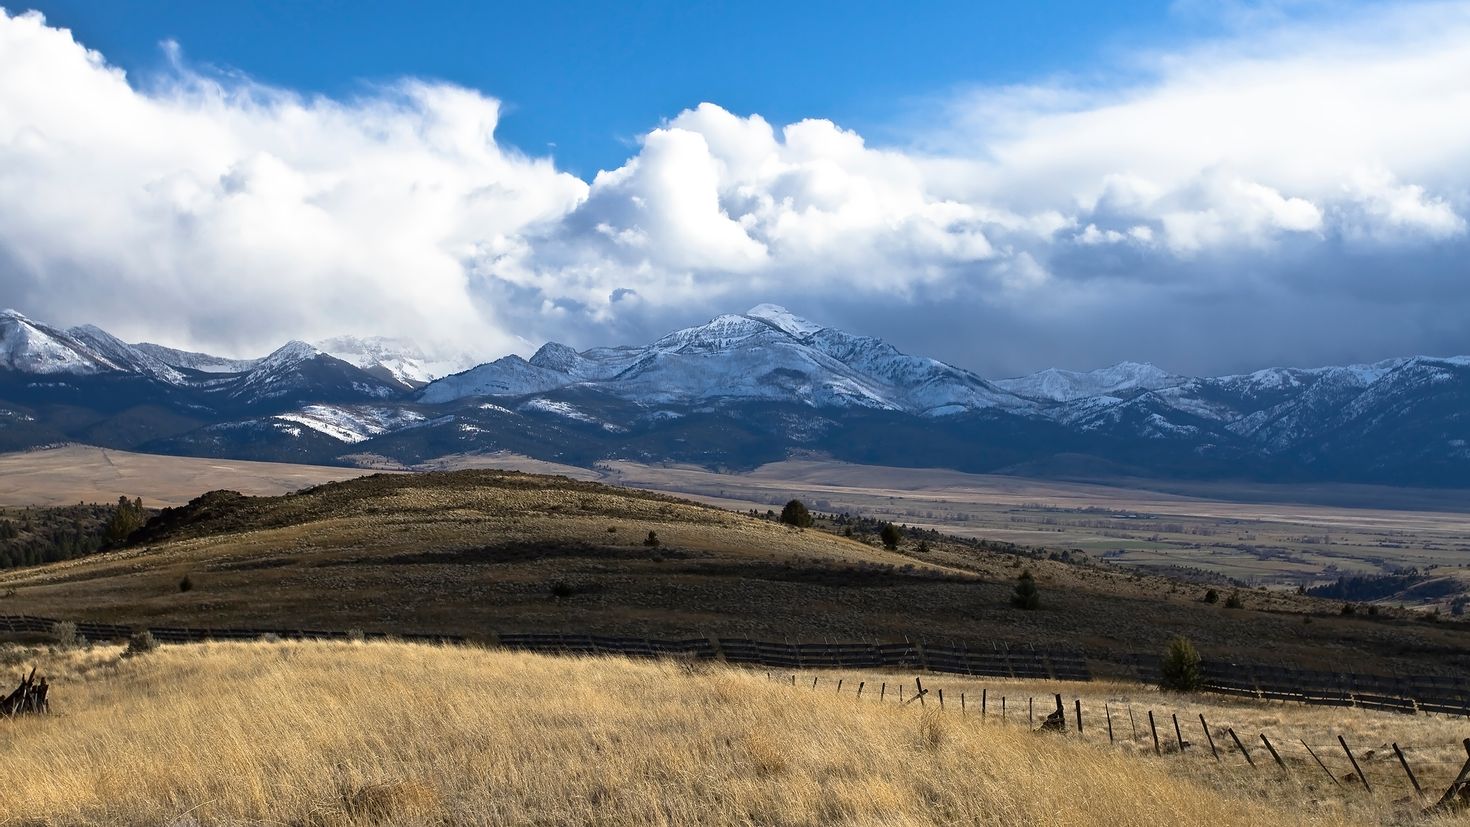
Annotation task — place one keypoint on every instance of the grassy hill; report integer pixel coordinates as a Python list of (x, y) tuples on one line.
[(389, 733), (484, 552)]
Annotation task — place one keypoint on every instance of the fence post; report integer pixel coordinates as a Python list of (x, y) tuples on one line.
[(1356, 768), (919, 690), (1132, 723), (1002, 708), (1313, 753), (1178, 736), (1079, 715), (1208, 736), (1405, 762), (1155, 731), (941, 700), (814, 683), (983, 692), (861, 684), (962, 704), (1108, 713), (839, 686), (882, 691), (1272, 750), (1030, 712), (1238, 744)]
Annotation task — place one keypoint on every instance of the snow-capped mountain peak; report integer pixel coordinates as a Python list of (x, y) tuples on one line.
[(291, 353), (784, 320), (1057, 385), (31, 347), (124, 356), (190, 360), (768, 354), (399, 360)]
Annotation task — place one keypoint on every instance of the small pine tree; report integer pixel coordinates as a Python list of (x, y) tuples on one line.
[(1234, 601), (186, 584), (1026, 596), (128, 517), (1212, 596), (890, 535), (652, 540), (795, 513), (1180, 669)]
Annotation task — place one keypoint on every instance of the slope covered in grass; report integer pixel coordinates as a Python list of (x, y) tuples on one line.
[(385, 733)]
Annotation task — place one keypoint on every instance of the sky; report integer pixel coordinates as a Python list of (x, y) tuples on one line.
[(1213, 187)]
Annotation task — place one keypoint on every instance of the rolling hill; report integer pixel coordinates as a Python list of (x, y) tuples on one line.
[(486, 552)]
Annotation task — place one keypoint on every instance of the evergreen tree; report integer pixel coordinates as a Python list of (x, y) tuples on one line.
[(128, 517), (890, 536), (1027, 596), (1180, 669), (795, 513)]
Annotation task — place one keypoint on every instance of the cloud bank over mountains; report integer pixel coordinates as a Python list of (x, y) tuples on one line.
[(1293, 195)]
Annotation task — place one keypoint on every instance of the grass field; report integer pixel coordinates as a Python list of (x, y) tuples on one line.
[(480, 553), (396, 734), (1273, 535), (1280, 536)]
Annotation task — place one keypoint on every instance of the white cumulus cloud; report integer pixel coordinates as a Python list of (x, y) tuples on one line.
[(1272, 166)]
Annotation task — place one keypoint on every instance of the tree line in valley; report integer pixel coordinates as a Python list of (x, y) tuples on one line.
[(36, 535)]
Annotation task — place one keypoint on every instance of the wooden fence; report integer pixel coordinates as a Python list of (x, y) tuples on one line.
[(1449, 695), (1418, 770), (1409, 694)]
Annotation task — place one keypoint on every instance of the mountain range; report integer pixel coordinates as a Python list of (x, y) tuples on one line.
[(735, 392)]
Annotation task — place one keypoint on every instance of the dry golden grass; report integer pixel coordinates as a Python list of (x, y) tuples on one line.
[(381, 733), (483, 552)]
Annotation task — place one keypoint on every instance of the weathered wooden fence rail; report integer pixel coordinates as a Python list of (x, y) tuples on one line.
[(1449, 695), (1409, 694)]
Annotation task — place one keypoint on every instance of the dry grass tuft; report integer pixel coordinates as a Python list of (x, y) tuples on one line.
[(344, 734)]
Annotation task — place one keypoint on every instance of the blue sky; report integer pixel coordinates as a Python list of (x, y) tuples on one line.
[(1210, 186), (582, 81)]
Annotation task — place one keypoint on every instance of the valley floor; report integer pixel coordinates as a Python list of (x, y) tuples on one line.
[(391, 733)]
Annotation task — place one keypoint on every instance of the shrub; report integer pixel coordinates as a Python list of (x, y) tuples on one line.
[(1349, 609), (1180, 669), (652, 540), (1026, 596), (795, 513), (141, 643), (1234, 601), (186, 584), (356, 635), (922, 547), (64, 635), (561, 590), (1373, 610), (890, 535), (1212, 596)]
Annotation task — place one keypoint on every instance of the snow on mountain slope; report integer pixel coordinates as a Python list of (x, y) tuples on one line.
[(399, 359), (767, 354), (124, 355), (506, 376), (352, 424), (300, 370), (1056, 385), (783, 319), (31, 347), (189, 360)]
